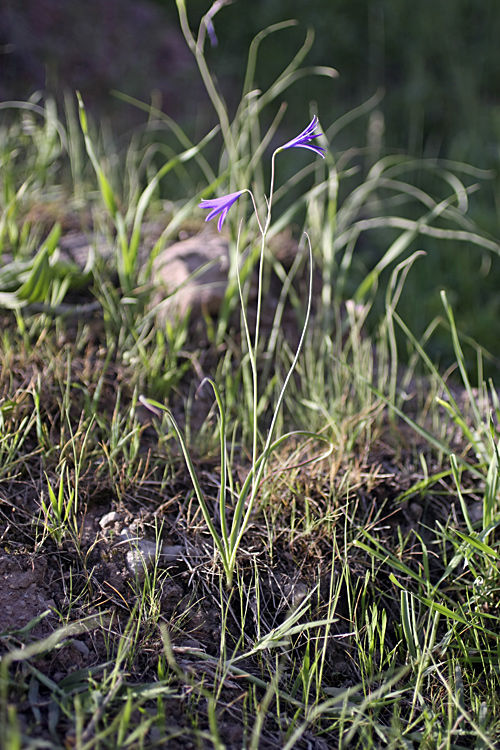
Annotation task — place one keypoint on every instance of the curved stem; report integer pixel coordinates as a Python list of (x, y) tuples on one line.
[(257, 474), (261, 260), (253, 354)]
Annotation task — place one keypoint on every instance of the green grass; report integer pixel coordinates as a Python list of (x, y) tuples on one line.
[(357, 606)]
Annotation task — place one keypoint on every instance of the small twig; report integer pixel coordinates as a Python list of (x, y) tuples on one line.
[(64, 309), (89, 731)]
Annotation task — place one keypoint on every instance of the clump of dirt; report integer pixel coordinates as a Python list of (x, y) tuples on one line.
[(25, 593)]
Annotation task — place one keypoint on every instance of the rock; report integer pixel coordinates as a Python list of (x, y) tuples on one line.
[(142, 555), (109, 519), (141, 558), (295, 592), (476, 511), (77, 247), (192, 276), (80, 646), (128, 535), (171, 552)]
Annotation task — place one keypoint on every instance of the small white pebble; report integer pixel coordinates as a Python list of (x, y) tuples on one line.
[(128, 535), (81, 647), (142, 555), (109, 519)]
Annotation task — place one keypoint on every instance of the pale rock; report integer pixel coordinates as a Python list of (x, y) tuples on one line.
[(171, 552), (142, 555), (80, 646), (108, 519), (476, 511), (128, 535), (191, 275)]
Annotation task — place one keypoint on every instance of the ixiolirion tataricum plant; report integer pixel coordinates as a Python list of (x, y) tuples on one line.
[(228, 540)]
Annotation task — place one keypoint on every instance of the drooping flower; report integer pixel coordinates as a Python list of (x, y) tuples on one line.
[(220, 206), (304, 139)]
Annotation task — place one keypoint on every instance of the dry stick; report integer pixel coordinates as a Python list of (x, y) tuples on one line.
[(90, 730)]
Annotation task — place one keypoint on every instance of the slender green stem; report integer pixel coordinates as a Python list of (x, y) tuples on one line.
[(259, 466), (264, 232), (253, 356)]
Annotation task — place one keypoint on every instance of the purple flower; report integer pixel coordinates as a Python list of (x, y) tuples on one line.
[(211, 32), (304, 140), (220, 206)]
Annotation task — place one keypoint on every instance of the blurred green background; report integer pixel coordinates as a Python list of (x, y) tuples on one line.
[(437, 62), (434, 63)]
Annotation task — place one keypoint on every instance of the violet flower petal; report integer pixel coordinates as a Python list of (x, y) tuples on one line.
[(220, 206), (304, 139)]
